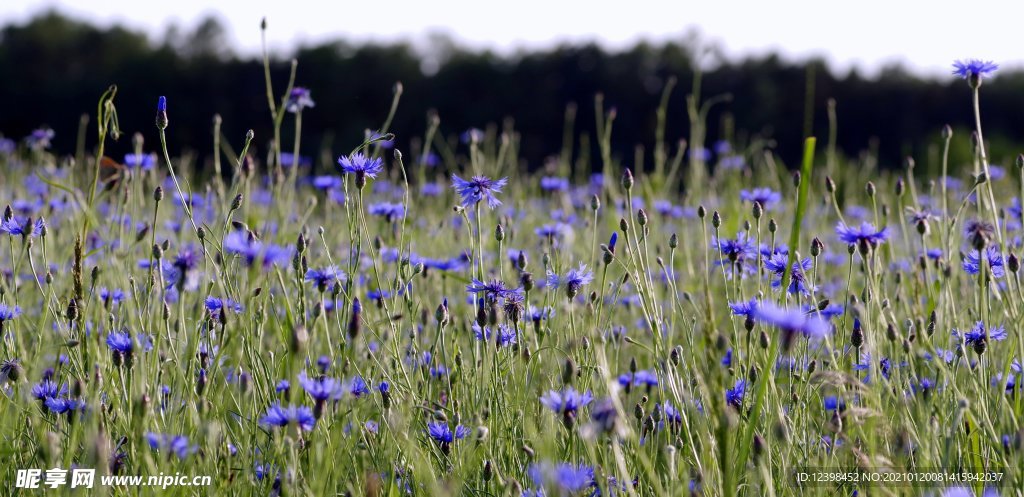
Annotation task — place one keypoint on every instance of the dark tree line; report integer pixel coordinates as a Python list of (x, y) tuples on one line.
[(54, 68)]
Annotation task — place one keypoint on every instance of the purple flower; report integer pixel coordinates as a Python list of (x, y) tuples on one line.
[(972, 262), (299, 99), (764, 196), (173, 444), (279, 416), (797, 279), (443, 434), (866, 232), (573, 280), (8, 313), (478, 189), (734, 395), (554, 184), (566, 402), (216, 305), (327, 182), (361, 166), (744, 308), (642, 377), (974, 68), (120, 342), (506, 334), (866, 236), (492, 290), (322, 389), (389, 211), (252, 249), (322, 278), (22, 227), (144, 162), (357, 387), (791, 322), (47, 388), (567, 478), (735, 252), (977, 334), (40, 138), (62, 405)]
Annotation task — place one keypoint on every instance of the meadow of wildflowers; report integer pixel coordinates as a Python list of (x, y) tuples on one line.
[(444, 323)]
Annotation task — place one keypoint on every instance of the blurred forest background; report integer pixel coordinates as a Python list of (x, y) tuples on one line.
[(54, 69)]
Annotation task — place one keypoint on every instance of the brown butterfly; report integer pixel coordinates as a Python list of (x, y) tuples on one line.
[(111, 173)]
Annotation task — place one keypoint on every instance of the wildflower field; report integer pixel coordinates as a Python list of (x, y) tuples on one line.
[(439, 321)]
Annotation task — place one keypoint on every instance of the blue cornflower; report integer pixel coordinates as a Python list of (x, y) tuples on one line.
[(115, 296), (22, 227), (47, 389), (288, 159), (323, 278), (746, 309), (299, 99), (389, 211), (361, 166), (865, 237), (604, 417), (478, 189), (735, 252), (537, 314), (797, 277), (8, 313), (567, 478), (173, 444), (62, 405), (357, 387), (252, 249), (554, 184), (144, 162), (120, 343), (323, 388), (283, 386), (323, 363), (216, 305), (431, 189), (567, 402), (972, 262), (833, 403), (764, 196), (554, 231), (641, 378), (327, 182), (734, 395), (976, 337), (506, 334), (573, 280), (791, 322), (493, 289), (443, 435), (974, 68), (40, 138), (884, 365), (279, 416)]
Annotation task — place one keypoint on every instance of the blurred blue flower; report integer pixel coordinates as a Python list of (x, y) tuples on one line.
[(298, 99), (173, 444), (279, 416)]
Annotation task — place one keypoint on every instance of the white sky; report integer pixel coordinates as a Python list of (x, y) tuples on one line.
[(925, 36)]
